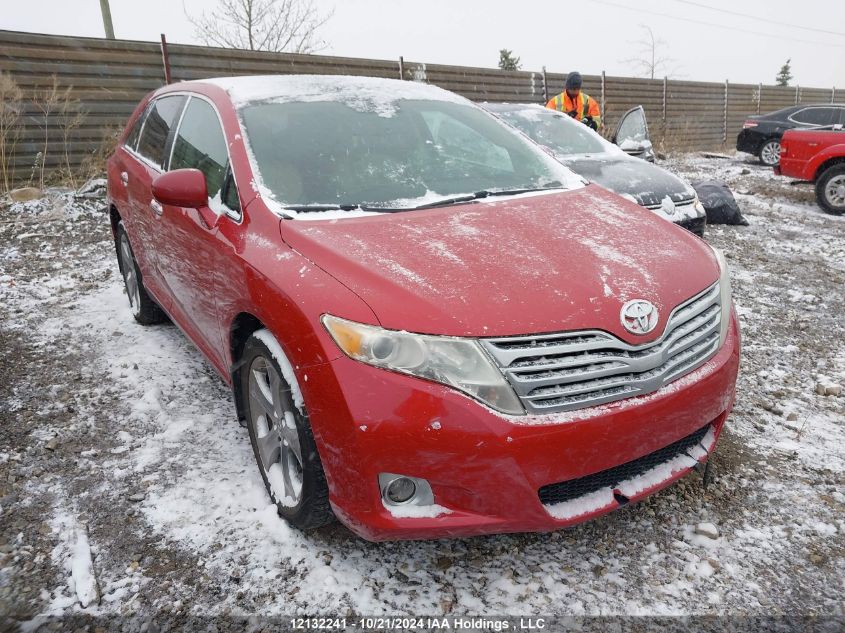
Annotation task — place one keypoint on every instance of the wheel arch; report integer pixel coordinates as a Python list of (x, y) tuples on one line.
[(114, 221), (114, 218), (242, 327), (830, 162)]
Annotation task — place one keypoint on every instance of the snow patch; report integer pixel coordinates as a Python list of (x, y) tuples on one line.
[(417, 512), (266, 337)]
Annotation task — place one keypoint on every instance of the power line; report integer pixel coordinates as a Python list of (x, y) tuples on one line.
[(758, 18), (714, 25)]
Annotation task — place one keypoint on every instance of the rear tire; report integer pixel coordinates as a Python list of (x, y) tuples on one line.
[(281, 436), (830, 189), (144, 309), (769, 153)]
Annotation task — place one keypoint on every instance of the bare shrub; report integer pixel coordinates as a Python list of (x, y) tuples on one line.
[(11, 100), (94, 164), (61, 111)]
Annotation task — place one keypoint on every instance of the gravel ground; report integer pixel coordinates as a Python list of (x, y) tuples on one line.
[(126, 483)]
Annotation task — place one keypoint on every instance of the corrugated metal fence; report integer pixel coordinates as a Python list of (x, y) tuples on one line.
[(105, 79)]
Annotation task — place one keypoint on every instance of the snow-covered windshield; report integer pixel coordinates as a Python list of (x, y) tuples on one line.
[(556, 131), (312, 152)]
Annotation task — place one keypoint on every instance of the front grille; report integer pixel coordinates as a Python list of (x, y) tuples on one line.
[(612, 477), (562, 372), (659, 205)]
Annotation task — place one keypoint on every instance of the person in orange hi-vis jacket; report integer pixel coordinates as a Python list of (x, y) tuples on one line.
[(579, 105)]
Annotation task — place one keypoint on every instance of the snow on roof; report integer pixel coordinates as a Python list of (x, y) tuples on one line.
[(367, 93)]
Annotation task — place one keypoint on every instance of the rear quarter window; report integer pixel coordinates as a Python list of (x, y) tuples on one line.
[(160, 119), (132, 138)]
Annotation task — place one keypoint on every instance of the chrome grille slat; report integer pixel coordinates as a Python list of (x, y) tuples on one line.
[(682, 203), (568, 370), (562, 372), (611, 382)]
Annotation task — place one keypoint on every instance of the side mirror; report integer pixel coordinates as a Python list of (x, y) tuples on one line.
[(181, 188)]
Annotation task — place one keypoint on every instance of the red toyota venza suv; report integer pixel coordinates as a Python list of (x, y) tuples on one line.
[(431, 328)]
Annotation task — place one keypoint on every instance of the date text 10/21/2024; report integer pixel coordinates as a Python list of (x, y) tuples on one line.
[(383, 623)]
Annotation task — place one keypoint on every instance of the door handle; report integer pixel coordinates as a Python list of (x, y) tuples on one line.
[(156, 207), (124, 178)]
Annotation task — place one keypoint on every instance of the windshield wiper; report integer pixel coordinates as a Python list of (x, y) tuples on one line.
[(306, 208), (468, 197), (478, 195)]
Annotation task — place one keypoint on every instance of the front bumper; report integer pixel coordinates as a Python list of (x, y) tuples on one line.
[(694, 225), (692, 216), (487, 470), (749, 141)]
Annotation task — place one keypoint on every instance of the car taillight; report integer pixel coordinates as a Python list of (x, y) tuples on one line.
[(749, 124)]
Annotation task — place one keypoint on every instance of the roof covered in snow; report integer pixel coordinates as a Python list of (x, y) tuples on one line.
[(378, 92)]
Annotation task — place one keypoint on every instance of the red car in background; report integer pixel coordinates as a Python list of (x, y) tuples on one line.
[(431, 327), (817, 156)]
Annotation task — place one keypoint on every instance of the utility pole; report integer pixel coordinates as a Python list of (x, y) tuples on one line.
[(107, 25)]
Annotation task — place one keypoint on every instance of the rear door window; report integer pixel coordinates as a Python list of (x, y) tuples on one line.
[(160, 120), (816, 116), (200, 144), (135, 132)]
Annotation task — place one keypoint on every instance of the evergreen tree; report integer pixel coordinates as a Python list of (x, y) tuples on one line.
[(507, 61), (785, 75)]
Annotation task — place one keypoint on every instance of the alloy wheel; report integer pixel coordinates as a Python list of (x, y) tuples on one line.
[(271, 414), (834, 191), (770, 154)]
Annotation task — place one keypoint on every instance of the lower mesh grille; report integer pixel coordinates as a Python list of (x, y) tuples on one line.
[(612, 477)]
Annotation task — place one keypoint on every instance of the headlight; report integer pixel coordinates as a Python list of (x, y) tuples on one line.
[(724, 295), (456, 362), (698, 206)]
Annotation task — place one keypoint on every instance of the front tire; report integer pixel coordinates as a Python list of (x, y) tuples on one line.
[(769, 153), (830, 189), (144, 309), (281, 435)]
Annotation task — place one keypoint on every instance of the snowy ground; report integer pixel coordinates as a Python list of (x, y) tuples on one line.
[(127, 486)]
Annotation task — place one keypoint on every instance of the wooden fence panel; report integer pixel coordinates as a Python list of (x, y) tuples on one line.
[(105, 79)]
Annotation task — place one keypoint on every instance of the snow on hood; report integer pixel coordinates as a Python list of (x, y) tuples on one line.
[(645, 182), (366, 94), (563, 261)]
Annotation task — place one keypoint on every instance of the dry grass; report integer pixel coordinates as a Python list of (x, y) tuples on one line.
[(11, 100), (95, 163), (58, 106)]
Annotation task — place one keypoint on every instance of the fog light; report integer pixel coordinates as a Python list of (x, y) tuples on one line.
[(397, 490), (400, 490)]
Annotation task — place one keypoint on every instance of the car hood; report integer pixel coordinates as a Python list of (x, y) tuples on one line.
[(647, 183), (549, 263)]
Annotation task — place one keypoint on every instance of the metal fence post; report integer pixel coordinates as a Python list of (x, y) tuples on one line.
[(165, 59), (725, 122), (545, 86), (603, 113), (833, 95), (797, 94), (401, 67), (759, 96)]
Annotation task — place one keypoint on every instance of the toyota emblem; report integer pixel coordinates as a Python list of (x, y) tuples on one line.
[(639, 316)]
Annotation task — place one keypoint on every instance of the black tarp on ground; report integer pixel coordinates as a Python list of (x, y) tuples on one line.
[(719, 203)]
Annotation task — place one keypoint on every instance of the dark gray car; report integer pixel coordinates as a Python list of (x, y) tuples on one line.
[(589, 155)]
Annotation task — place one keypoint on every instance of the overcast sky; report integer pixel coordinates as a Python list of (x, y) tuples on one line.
[(590, 35)]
